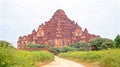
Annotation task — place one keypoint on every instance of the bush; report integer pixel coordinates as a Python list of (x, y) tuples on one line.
[(81, 46), (105, 58), (66, 49), (6, 51), (101, 43), (10, 57), (37, 46), (54, 50), (111, 58), (6, 57), (5, 44), (117, 41)]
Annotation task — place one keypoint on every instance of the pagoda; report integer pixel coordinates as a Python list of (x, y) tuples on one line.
[(58, 31)]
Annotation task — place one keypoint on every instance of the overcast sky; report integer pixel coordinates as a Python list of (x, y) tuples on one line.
[(20, 17)]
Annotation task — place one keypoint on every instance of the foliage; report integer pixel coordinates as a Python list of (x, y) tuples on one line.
[(10, 57), (6, 57), (54, 50), (5, 44), (80, 46), (29, 59), (101, 43), (105, 58), (66, 49), (37, 46), (117, 41)]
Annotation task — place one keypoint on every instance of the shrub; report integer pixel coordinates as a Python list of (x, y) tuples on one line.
[(37, 46), (54, 50), (10, 57), (101, 43), (81, 46), (117, 41), (6, 57), (105, 58), (5, 44), (66, 49)]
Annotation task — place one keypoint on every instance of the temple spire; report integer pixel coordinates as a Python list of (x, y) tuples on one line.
[(85, 31), (59, 14)]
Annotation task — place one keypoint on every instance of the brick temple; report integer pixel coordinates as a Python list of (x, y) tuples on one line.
[(58, 31)]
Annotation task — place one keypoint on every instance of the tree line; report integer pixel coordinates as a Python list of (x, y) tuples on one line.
[(94, 44)]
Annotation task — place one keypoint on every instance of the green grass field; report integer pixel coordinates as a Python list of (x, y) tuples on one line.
[(105, 58), (10, 57)]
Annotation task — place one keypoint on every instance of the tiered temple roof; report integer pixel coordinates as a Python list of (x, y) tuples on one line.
[(58, 31)]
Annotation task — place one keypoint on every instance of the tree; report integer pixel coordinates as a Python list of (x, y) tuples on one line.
[(101, 43), (37, 46), (5, 44), (54, 50), (117, 41), (80, 46), (66, 49)]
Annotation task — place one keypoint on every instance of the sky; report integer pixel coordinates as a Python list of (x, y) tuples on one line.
[(20, 17)]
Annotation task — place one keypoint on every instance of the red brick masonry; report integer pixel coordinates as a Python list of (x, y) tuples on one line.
[(58, 31)]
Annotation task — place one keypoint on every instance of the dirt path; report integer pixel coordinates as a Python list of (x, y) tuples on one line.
[(59, 62)]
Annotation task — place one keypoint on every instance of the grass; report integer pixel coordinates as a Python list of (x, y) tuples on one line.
[(10, 57), (104, 58)]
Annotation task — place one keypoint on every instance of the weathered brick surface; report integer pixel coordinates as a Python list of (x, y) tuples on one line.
[(58, 31)]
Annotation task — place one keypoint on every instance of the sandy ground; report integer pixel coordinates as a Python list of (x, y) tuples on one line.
[(59, 62)]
